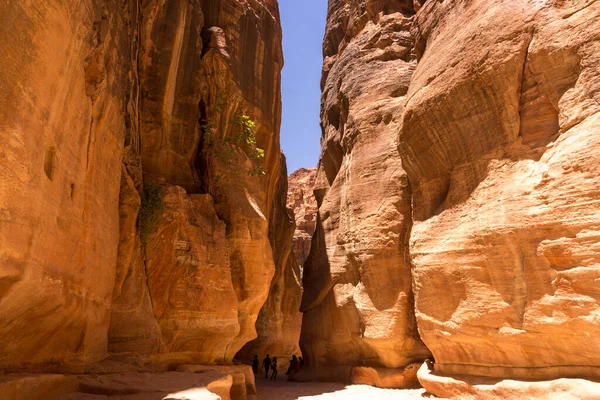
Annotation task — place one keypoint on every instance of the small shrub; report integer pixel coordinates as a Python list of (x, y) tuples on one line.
[(151, 209), (243, 137)]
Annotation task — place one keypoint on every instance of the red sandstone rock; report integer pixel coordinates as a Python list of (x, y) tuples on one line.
[(101, 101), (386, 378), (279, 321), (36, 387), (67, 77), (208, 385), (302, 200), (243, 383), (473, 388), (493, 107)]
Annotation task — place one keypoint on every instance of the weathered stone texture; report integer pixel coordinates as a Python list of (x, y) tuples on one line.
[(459, 141), (99, 100), (66, 80), (279, 321), (302, 200), (209, 263), (500, 143), (358, 301)]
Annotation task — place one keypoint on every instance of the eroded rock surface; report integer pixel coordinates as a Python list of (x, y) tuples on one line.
[(207, 264), (279, 321), (67, 77), (460, 147), (302, 200), (473, 388), (358, 300), (102, 104), (500, 143)]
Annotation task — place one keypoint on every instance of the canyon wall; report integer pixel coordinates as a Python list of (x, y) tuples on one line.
[(141, 180), (460, 149), (358, 299), (279, 321), (302, 200), (67, 78), (500, 141)]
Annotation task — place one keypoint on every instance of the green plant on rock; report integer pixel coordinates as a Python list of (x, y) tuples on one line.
[(243, 137), (151, 208)]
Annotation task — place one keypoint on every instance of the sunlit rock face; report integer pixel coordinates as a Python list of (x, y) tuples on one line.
[(500, 141), (358, 300), (209, 262), (102, 101), (459, 144), (67, 77), (302, 200)]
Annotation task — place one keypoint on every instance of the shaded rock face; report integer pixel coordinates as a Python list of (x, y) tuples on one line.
[(358, 300), (103, 102), (459, 145), (302, 200), (502, 153), (279, 321)]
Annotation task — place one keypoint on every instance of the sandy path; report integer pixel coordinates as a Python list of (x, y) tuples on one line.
[(283, 390)]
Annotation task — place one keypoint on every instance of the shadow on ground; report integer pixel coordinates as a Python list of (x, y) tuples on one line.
[(283, 390)]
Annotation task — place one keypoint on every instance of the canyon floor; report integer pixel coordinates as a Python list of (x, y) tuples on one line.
[(283, 390)]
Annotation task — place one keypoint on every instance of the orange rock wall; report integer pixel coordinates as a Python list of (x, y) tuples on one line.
[(502, 154), (101, 101), (302, 200), (67, 78), (459, 166), (358, 299), (279, 321)]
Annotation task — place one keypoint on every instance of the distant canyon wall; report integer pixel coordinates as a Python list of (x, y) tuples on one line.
[(136, 204), (457, 190), (302, 200)]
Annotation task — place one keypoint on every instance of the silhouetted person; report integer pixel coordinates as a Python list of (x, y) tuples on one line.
[(266, 365), (293, 365), (300, 363), (255, 364), (274, 368)]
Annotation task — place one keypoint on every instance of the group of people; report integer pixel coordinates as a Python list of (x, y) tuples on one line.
[(271, 364)]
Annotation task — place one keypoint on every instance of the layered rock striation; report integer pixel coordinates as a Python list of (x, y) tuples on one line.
[(140, 173), (500, 143), (279, 321), (67, 79), (358, 299), (301, 199), (459, 153)]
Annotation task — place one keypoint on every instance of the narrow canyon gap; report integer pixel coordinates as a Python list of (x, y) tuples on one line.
[(146, 224)]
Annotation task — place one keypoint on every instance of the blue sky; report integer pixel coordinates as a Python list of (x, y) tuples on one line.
[(303, 23)]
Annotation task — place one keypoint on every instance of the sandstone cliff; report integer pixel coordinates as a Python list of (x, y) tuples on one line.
[(500, 143), (358, 299), (460, 144), (302, 200), (136, 202), (280, 320)]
